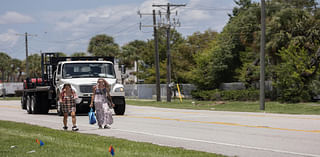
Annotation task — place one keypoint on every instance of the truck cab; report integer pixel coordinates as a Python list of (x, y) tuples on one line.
[(83, 75), (42, 94)]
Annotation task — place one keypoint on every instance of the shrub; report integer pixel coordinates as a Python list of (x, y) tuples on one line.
[(232, 95)]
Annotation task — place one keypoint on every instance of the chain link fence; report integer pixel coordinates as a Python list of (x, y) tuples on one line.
[(148, 91)]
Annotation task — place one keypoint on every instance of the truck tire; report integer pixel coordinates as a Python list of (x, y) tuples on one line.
[(120, 105), (35, 107), (24, 102), (28, 105)]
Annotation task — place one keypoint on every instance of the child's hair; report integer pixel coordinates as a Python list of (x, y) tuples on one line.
[(67, 84)]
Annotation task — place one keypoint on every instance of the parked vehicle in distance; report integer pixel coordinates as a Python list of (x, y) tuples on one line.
[(10, 88)]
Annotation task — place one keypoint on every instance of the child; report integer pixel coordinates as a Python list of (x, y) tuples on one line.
[(67, 101)]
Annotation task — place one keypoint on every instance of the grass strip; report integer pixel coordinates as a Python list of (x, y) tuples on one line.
[(238, 106), (9, 98), (66, 143)]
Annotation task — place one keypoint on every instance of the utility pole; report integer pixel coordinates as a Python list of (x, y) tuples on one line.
[(27, 63), (156, 50), (26, 42), (262, 55), (169, 94), (156, 56), (168, 26)]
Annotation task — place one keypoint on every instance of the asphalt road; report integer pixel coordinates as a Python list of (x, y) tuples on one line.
[(228, 133)]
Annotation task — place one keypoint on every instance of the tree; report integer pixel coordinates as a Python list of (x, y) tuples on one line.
[(132, 52), (185, 56), (242, 5), (4, 64), (300, 4), (289, 22), (15, 68), (34, 65), (61, 54), (21, 67), (147, 67), (79, 54), (293, 84), (103, 45)]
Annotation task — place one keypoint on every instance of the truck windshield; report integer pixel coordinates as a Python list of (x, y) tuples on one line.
[(87, 70)]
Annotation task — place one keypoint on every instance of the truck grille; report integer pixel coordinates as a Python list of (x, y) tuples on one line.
[(86, 88)]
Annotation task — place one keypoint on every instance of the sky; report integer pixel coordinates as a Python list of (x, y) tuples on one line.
[(68, 25)]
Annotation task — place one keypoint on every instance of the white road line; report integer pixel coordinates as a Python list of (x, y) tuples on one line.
[(220, 143)]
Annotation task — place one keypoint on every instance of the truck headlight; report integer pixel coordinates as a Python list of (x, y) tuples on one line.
[(119, 89)]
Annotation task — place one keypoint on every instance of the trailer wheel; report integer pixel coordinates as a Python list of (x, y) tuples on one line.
[(23, 102), (33, 105), (28, 104), (120, 105)]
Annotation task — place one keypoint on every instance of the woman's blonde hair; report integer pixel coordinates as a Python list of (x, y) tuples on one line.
[(106, 84)]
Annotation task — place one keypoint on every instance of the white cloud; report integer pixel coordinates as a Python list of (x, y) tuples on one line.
[(12, 17), (197, 15), (90, 19), (146, 6), (9, 39), (83, 24), (207, 13), (121, 21)]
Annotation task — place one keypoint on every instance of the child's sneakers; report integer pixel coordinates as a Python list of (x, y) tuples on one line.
[(65, 128), (75, 128)]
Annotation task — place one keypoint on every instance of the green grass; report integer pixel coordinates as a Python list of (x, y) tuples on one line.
[(239, 106), (66, 143), (10, 98)]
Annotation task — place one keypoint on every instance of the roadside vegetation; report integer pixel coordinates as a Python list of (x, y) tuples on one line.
[(22, 138), (10, 98), (239, 106)]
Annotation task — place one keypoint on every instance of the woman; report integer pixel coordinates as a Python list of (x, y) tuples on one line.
[(103, 103), (67, 101)]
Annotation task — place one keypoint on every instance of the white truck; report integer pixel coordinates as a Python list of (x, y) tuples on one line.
[(41, 94)]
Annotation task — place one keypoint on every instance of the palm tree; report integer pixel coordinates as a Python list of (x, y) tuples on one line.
[(4, 64), (34, 65), (15, 66), (103, 45), (79, 54)]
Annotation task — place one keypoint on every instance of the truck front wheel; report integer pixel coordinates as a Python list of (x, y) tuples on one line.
[(120, 105)]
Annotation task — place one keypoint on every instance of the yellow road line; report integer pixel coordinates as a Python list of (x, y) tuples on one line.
[(225, 123), (249, 115)]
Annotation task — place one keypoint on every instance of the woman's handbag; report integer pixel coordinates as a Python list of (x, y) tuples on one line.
[(92, 117)]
